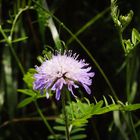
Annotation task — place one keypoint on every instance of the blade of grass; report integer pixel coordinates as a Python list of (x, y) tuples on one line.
[(118, 123), (53, 28), (88, 24)]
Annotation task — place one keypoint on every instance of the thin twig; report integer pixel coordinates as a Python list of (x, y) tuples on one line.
[(25, 119)]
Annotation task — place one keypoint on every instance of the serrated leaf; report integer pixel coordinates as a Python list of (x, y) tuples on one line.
[(25, 102), (131, 107), (103, 110), (81, 106), (97, 106), (115, 107)]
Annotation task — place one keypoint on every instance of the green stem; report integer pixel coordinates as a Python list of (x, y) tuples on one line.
[(17, 59), (132, 125), (88, 24), (121, 39), (8, 40), (4, 35), (129, 75), (16, 18), (65, 115), (91, 57), (94, 61), (45, 120)]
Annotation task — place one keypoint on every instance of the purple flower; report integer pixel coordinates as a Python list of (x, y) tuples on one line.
[(63, 69)]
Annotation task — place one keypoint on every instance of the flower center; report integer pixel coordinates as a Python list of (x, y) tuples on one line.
[(61, 75)]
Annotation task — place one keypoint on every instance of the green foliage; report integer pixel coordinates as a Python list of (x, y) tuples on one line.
[(132, 65), (28, 78), (25, 102), (46, 54), (79, 113), (32, 95), (130, 45), (120, 21)]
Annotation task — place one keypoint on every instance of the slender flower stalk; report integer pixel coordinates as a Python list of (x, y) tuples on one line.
[(65, 115), (45, 120), (63, 69)]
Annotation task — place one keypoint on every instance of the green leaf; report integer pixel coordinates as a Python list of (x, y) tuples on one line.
[(25, 102), (20, 39), (97, 106), (135, 36), (115, 107), (58, 137), (47, 52), (105, 100), (128, 45), (103, 110), (32, 93), (117, 122), (40, 59), (60, 121), (77, 129), (132, 107), (79, 122), (27, 92), (29, 78), (47, 16), (78, 137), (133, 91), (60, 128)]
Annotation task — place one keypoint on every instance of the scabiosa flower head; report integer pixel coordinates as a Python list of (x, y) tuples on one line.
[(63, 69)]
